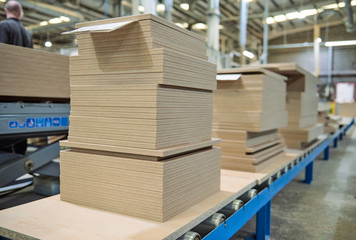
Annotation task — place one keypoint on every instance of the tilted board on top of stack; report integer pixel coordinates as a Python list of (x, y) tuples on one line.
[(146, 49), (302, 104), (31, 73), (249, 105), (141, 117)]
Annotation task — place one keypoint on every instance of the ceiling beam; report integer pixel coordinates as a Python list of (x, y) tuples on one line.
[(279, 12), (302, 29)]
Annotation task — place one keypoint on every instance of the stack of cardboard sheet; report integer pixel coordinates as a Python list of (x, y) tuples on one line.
[(249, 106), (302, 105), (330, 124), (346, 109), (30, 73), (141, 117)]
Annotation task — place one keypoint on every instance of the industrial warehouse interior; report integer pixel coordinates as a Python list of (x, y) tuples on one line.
[(177, 119)]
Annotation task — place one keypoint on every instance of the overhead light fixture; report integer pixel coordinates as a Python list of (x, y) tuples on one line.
[(294, 15), (248, 54), (43, 23), (3, 1), (184, 6), (269, 20), (55, 20), (353, 3), (199, 26), (341, 4), (340, 43), (141, 8), (330, 6), (179, 25), (182, 25), (319, 40), (280, 18), (221, 27), (161, 7), (48, 44), (308, 12), (64, 18)]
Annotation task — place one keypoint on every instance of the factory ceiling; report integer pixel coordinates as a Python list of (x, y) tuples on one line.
[(46, 19)]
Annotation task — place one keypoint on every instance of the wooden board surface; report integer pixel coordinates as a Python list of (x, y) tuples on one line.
[(20, 75), (51, 218), (155, 190), (252, 70), (159, 153), (297, 137)]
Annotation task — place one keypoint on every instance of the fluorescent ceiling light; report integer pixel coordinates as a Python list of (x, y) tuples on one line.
[(55, 20), (184, 6), (160, 7), (182, 25), (64, 18), (294, 15), (141, 8), (269, 20), (341, 4), (353, 3), (330, 6), (199, 26), (340, 43), (48, 44), (248, 54), (3, 1), (44, 23), (280, 18), (308, 12)]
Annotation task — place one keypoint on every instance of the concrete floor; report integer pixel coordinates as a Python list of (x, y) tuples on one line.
[(326, 209)]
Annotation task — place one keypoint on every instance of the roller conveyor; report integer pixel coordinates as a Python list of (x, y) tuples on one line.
[(219, 217)]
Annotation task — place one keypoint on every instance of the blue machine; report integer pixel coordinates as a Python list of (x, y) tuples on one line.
[(28, 120)]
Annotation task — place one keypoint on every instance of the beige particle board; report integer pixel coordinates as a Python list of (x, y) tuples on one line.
[(156, 153), (79, 222), (231, 163), (302, 134), (21, 69), (252, 70), (155, 190)]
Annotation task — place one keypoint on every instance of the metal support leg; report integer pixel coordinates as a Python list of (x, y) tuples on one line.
[(340, 136), (263, 227), (335, 142), (326, 153), (309, 173)]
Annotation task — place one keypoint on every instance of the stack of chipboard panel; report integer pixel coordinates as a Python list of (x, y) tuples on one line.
[(141, 117), (302, 105), (249, 107), (30, 73)]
